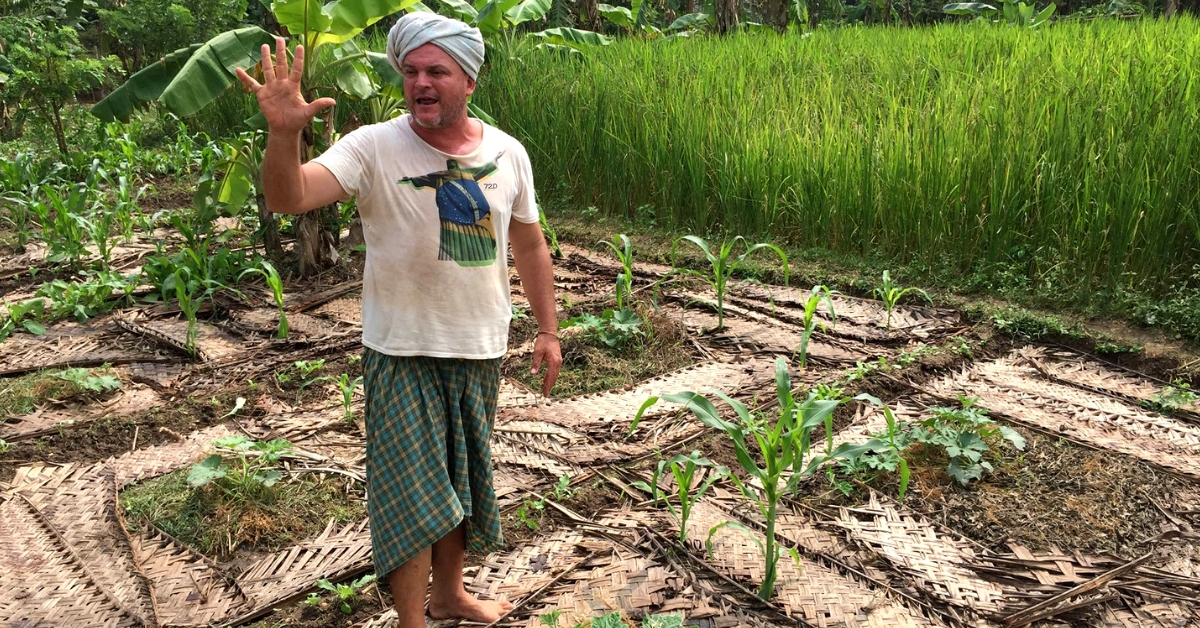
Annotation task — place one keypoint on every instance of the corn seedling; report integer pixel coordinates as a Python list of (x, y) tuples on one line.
[(275, 282), (816, 296), (783, 442), (189, 306), (346, 594), (683, 468), (28, 314), (347, 386), (624, 253), (550, 233), (891, 294), (724, 263)]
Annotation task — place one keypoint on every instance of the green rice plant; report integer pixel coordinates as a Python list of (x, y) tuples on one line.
[(683, 468), (348, 386), (189, 306), (891, 294), (950, 147), (816, 296), (783, 441), (724, 263), (275, 282), (624, 253)]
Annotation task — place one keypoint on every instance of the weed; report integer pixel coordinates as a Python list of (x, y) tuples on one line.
[(783, 443), (87, 299), (83, 379), (613, 327), (723, 263), (891, 294), (1104, 347), (1172, 398)]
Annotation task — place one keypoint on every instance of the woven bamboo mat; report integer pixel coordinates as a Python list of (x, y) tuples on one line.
[(160, 375), (1008, 388), (604, 261), (188, 590), (1072, 368), (613, 411), (856, 318), (809, 590), (933, 560), (68, 344), (46, 420), (515, 394), (316, 296), (344, 310)]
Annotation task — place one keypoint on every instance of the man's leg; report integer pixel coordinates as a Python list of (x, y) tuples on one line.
[(449, 598), (409, 582)]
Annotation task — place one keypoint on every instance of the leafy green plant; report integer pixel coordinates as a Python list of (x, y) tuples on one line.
[(28, 314), (346, 594), (891, 294), (308, 367), (86, 299), (816, 296), (1172, 398), (1010, 12), (624, 253), (884, 453), (529, 511), (189, 306), (267, 270), (683, 468), (964, 434), (84, 380), (347, 386), (783, 442), (562, 488), (612, 327), (550, 620), (4, 446), (249, 474), (724, 263)]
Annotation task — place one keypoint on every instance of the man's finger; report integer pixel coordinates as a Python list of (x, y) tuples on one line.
[(551, 377), (248, 81), (268, 68), (538, 352), (281, 66), (297, 65), (319, 104)]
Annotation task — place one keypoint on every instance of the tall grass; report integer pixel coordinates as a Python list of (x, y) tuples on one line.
[(1072, 150)]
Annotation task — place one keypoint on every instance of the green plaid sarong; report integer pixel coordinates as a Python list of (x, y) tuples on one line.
[(429, 458)]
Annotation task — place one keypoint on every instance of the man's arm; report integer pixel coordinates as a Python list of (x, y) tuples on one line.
[(289, 187), (532, 258)]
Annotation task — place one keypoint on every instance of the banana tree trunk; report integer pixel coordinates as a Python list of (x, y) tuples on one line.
[(777, 15), (727, 15), (589, 15), (270, 230)]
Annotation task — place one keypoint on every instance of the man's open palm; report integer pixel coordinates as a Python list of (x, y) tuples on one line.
[(279, 94)]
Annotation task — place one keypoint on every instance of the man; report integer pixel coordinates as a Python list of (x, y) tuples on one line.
[(441, 197)]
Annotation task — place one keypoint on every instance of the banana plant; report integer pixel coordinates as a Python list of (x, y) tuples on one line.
[(189, 79), (1011, 12), (493, 17)]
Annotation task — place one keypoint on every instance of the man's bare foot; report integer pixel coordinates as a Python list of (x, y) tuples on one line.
[(466, 607)]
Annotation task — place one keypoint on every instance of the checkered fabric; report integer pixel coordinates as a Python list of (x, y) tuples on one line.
[(429, 459)]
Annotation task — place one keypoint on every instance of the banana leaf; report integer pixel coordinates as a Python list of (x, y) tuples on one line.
[(573, 37), (210, 70), (386, 72), (144, 86), (528, 10)]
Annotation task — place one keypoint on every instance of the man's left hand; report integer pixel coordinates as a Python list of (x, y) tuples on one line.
[(546, 349)]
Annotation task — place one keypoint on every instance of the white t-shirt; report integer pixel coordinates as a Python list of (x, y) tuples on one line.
[(436, 228)]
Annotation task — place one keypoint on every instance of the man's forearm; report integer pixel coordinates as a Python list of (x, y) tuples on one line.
[(537, 277), (283, 181)]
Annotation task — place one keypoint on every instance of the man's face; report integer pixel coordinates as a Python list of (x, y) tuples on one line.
[(435, 87)]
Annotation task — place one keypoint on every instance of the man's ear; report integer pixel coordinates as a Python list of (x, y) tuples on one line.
[(470, 86)]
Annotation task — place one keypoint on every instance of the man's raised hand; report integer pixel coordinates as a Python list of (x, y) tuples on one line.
[(279, 94)]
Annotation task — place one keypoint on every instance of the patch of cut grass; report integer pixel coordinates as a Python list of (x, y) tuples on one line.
[(209, 522), (590, 366), (20, 395)]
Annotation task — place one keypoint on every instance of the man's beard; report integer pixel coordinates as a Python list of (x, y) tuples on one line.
[(450, 114)]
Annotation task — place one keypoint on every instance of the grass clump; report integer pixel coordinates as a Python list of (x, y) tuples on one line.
[(207, 520), (20, 395)]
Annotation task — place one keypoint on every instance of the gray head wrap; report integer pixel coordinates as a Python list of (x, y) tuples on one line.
[(463, 43)]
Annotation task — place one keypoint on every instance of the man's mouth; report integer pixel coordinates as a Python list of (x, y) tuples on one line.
[(427, 100)]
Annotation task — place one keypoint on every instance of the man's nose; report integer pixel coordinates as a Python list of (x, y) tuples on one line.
[(423, 79)]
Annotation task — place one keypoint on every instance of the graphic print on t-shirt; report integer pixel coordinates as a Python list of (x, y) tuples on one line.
[(467, 236)]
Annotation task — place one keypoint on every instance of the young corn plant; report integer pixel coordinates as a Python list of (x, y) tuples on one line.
[(816, 296), (891, 294), (348, 386), (189, 306), (884, 453), (346, 594), (684, 469), (624, 253), (275, 282), (783, 442), (724, 263)]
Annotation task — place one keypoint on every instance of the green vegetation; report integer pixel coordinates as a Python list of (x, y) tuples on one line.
[(345, 594), (723, 263), (954, 147), (21, 395), (816, 296), (683, 468), (891, 294)]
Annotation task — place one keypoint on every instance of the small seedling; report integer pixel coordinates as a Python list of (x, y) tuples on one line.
[(83, 379), (550, 620), (624, 253), (891, 294), (275, 282), (189, 307), (248, 473), (4, 446), (816, 296), (613, 327), (1172, 398), (346, 594), (347, 386), (684, 469)]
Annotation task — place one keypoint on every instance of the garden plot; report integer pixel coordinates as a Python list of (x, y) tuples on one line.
[(860, 560)]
